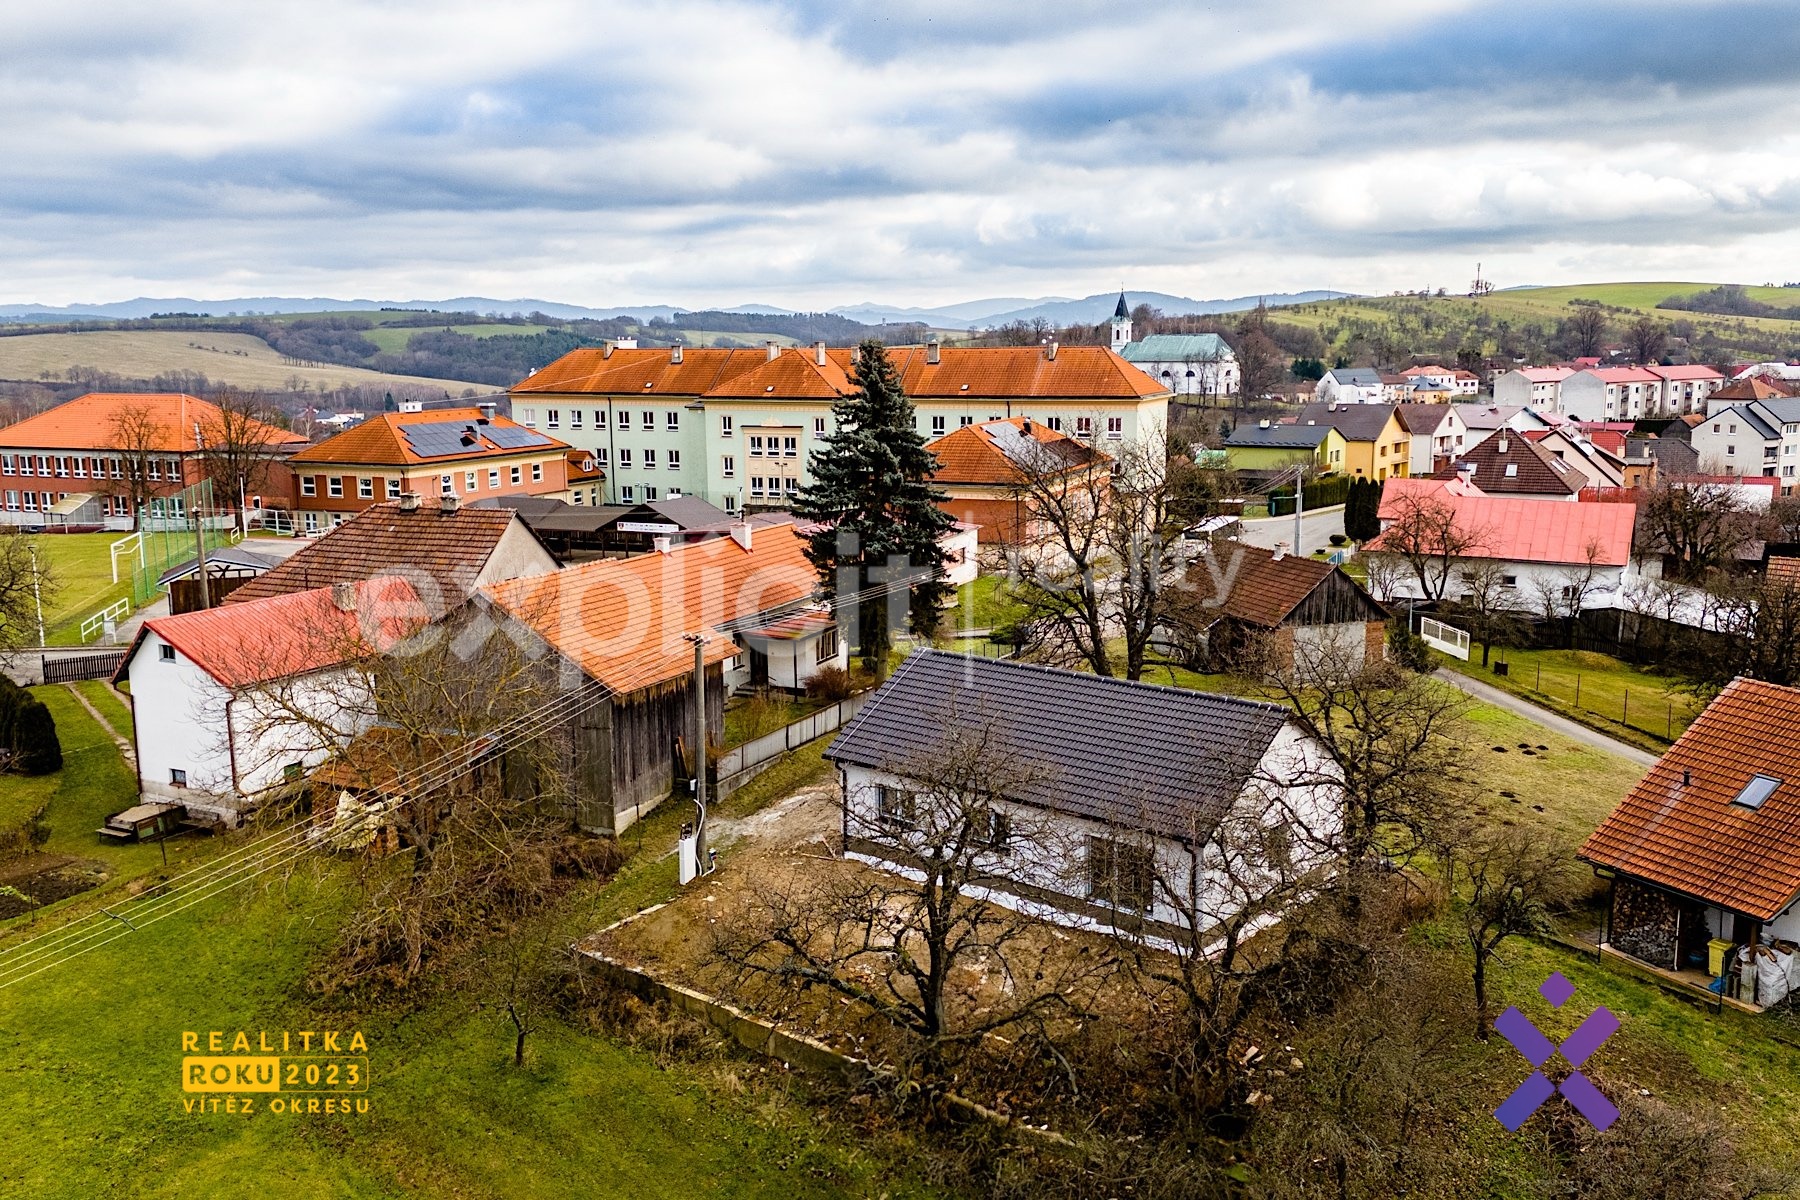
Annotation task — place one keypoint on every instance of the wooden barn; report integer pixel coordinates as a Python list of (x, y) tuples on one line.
[(623, 632), (1245, 608)]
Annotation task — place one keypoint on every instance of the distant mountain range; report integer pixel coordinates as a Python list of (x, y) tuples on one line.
[(1058, 310)]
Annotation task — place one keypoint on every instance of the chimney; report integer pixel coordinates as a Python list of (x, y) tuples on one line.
[(606, 349), (1687, 777), (1501, 445), (409, 502), (1281, 549), (772, 349), (446, 505), (1025, 426), (675, 354), (931, 352), (343, 597), (819, 353), (662, 543), (740, 533), (487, 409), (1264, 423), (1050, 351)]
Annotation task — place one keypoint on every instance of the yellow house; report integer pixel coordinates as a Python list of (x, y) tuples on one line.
[(1376, 445), (1267, 446)]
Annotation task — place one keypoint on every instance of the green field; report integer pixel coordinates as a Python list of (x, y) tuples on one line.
[(81, 565), (1642, 707), (393, 339)]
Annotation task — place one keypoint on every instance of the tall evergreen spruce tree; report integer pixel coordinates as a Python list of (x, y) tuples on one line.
[(871, 491)]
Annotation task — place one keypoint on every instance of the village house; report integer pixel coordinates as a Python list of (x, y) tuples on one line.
[(444, 549), (1123, 784), (1613, 394), (1376, 444), (624, 632), (1756, 438), (73, 465), (982, 467), (739, 427), (1686, 389), (231, 702), (1703, 881), (1435, 433), (1350, 385), (1509, 465), (460, 453), (1269, 448), (1483, 421), (1579, 555), (1247, 608), (1537, 388)]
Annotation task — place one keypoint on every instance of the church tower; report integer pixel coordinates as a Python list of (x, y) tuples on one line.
[(1121, 324)]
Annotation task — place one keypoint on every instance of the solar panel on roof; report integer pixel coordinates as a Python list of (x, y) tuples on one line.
[(435, 439), (512, 437)]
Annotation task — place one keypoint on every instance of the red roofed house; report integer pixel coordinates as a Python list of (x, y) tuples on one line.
[(217, 694), (1686, 388), (83, 461), (621, 629), (1510, 465), (738, 427), (466, 453), (1703, 854), (1537, 388), (1548, 554), (982, 468)]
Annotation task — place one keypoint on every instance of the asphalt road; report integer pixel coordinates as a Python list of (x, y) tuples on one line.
[(1316, 528), (1574, 730)]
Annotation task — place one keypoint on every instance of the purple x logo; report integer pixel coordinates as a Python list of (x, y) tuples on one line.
[(1526, 1038)]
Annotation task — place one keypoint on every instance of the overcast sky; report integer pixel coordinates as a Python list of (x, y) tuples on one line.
[(823, 152)]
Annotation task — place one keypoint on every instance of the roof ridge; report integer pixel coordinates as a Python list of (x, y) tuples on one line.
[(1112, 680)]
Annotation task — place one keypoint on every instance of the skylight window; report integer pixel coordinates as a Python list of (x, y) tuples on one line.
[(1760, 788)]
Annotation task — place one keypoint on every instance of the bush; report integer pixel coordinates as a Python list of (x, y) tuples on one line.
[(1338, 539), (27, 732), (1407, 648), (830, 684)]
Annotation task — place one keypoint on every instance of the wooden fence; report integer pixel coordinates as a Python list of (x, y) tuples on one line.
[(73, 667)]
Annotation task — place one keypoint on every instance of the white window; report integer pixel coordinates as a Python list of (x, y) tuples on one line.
[(819, 426), (309, 485), (756, 445), (553, 418), (826, 648), (1084, 427), (624, 458), (30, 501), (493, 478), (937, 426), (155, 467), (1115, 427), (730, 502), (312, 522), (537, 472), (165, 652), (650, 492), (515, 475), (964, 422), (725, 429), (756, 485), (177, 777), (469, 478), (649, 419), (728, 467), (6, 464), (574, 418), (674, 460), (601, 456), (650, 458), (624, 418), (80, 466), (12, 500), (790, 447), (447, 485), (334, 485), (792, 486), (1055, 424), (896, 808), (628, 494), (672, 420), (393, 488), (365, 487), (529, 417)]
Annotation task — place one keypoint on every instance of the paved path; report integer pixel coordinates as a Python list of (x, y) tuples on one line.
[(1573, 730), (1316, 527)]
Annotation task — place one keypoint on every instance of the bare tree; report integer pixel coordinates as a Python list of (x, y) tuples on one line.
[(1383, 573), (138, 437), (1645, 338), (26, 585), (1488, 600), (1759, 624), (1508, 877), (908, 946), (1697, 527), (1432, 540), (238, 447), (1587, 330), (1563, 595)]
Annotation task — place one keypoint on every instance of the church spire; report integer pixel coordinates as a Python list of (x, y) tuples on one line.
[(1122, 312), (1121, 324)]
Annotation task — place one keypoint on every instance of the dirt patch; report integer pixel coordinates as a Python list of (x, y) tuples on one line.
[(47, 879)]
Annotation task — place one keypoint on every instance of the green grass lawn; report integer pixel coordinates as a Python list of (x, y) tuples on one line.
[(91, 1105), (112, 707), (982, 603), (1642, 707), (393, 338), (81, 566)]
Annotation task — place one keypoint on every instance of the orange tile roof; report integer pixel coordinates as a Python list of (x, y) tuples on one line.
[(86, 423), (1077, 372), (975, 454), (262, 640), (378, 442), (1679, 828), (1783, 569), (625, 622)]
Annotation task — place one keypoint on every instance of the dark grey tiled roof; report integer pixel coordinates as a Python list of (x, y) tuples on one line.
[(1357, 422), (1281, 437), (1166, 759)]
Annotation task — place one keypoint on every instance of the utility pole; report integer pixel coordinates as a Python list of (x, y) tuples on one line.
[(693, 856), (200, 531), (1299, 503)]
